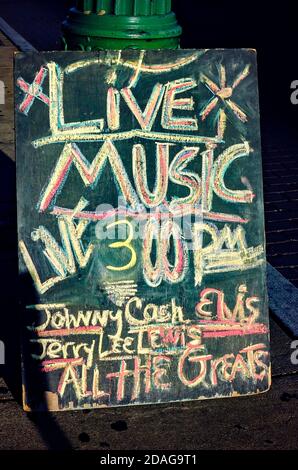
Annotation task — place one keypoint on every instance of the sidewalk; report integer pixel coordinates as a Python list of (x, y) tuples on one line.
[(280, 163), (7, 50)]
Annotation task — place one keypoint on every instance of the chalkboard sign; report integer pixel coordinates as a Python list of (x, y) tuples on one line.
[(141, 227)]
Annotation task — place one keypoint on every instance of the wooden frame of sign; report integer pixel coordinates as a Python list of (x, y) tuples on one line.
[(141, 227)]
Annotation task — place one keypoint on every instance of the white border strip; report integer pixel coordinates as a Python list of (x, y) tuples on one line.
[(15, 37)]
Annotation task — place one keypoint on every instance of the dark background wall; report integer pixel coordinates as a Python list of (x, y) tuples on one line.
[(269, 27)]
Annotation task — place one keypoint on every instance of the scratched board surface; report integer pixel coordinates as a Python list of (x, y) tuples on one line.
[(141, 227)]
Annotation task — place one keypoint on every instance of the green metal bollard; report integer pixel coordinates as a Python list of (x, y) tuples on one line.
[(121, 24)]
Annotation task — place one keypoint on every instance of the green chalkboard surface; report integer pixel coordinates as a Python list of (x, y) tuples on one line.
[(141, 227)]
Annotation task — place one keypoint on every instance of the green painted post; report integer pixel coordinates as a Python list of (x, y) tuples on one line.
[(142, 8), (124, 7), (104, 5), (121, 24)]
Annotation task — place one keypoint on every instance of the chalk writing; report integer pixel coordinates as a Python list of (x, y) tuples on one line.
[(142, 235)]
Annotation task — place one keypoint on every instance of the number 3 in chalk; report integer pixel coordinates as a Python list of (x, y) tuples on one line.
[(124, 244)]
